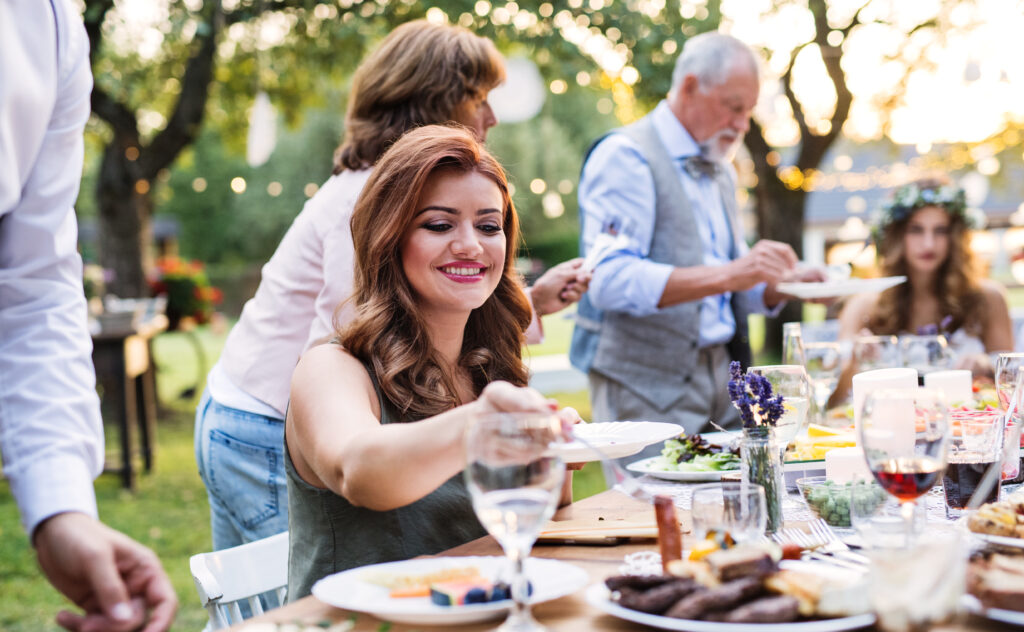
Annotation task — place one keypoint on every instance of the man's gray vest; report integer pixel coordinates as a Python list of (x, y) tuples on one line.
[(654, 355)]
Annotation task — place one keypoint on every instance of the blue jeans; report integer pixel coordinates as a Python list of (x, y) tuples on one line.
[(241, 461)]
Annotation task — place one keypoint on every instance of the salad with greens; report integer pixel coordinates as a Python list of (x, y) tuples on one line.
[(694, 454)]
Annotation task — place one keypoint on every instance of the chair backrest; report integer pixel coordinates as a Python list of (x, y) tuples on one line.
[(241, 574)]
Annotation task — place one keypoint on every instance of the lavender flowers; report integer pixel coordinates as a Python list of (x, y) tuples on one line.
[(752, 395)]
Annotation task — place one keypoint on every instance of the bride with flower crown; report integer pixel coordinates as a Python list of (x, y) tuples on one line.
[(923, 233)]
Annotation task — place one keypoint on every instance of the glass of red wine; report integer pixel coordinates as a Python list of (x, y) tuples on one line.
[(905, 436)]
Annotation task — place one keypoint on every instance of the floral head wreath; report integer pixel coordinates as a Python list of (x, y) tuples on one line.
[(910, 197)]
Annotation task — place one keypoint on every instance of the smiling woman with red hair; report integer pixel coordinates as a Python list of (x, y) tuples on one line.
[(374, 434)]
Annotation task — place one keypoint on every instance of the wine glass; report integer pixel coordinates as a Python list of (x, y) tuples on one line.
[(925, 353), (739, 509), (876, 352), (824, 364), (905, 434), (790, 381), (1008, 368), (515, 481), (793, 344)]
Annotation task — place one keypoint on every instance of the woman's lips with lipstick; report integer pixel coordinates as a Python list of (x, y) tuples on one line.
[(464, 272)]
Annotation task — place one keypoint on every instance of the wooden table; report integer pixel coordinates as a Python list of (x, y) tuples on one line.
[(124, 368), (568, 613)]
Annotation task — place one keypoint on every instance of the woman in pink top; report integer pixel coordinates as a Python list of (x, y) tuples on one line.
[(421, 74)]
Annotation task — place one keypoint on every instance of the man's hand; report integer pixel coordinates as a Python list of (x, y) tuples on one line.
[(114, 579), (559, 287), (767, 262), (800, 274)]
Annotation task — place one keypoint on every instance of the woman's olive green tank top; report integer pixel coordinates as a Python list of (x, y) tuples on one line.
[(327, 534)]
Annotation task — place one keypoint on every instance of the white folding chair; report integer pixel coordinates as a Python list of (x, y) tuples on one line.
[(242, 573)]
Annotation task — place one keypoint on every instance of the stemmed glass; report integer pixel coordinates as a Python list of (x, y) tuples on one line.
[(925, 353), (515, 481), (905, 436), (793, 346), (618, 232), (824, 364), (1008, 367), (876, 352), (790, 381)]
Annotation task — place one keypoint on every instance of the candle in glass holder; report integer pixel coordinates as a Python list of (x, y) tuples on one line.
[(842, 465), (955, 385), (870, 381)]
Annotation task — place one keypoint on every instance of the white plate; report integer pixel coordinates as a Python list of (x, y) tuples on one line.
[(844, 287), (615, 438), (1001, 540), (597, 595), (551, 579), (972, 605), (650, 466)]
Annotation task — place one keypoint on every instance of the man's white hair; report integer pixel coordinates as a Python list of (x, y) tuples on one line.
[(712, 57)]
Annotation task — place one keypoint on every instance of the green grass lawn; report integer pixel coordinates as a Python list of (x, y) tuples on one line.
[(168, 512)]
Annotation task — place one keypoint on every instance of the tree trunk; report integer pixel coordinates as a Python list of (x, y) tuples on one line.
[(780, 217), (124, 222)]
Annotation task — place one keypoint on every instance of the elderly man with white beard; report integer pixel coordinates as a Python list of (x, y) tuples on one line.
[(668, 302)]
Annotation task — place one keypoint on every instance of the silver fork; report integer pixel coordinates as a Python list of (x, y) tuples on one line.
[(832, 544), (809, 544)]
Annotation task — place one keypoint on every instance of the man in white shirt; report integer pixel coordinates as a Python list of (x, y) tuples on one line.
[(50, 428)]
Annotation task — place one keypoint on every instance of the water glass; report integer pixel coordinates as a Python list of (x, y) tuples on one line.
[(515, 482), (913, 587), (738, 509), (975, 448), (824, 362)]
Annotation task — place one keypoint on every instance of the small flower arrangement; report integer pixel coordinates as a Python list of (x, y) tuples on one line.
[(752, 395), (188, 290)]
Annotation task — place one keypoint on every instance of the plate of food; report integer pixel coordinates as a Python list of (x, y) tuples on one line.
[(995, 587), (689, 458), (999, 523), (443, 590), (840, 287), (615, 439), (742, 589)]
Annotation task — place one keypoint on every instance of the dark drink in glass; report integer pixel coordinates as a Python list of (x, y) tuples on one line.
[(908, 478), (962, 478)]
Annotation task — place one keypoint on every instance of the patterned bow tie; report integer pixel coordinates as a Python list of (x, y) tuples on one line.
[(698, 166)]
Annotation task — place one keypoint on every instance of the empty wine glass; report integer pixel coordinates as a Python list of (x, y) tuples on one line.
[(790, 381), (739, 509), (618, 232), (905, 435), (824, 364), (1008, 368), (876, 352), (793, 344), (926, 353), (515, 481)]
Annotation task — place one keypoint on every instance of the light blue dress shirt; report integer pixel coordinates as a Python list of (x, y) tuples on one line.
[(617, 183)]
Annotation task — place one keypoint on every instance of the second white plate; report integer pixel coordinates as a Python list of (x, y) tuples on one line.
[(615, 438), (844, 287), (650, 466)]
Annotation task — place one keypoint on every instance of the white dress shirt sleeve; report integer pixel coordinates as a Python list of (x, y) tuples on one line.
[(617, 182), (50, 428)]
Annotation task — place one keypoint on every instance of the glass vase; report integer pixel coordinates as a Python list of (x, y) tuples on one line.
[(762, 465)]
